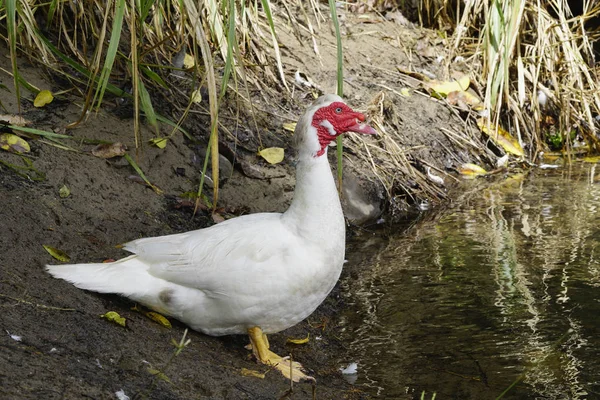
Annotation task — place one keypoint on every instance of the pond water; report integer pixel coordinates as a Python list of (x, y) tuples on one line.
[(500, 292)]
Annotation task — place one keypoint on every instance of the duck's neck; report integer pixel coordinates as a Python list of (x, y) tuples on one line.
[(315, 210)]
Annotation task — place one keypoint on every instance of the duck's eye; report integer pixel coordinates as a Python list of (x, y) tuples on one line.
[(338, 110)]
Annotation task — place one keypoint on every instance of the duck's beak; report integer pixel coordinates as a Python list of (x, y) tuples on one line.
[(361, 127)]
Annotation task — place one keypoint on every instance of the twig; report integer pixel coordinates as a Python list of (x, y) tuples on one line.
[(45, 307)]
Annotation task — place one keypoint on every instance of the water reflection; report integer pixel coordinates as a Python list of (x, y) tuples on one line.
[(503, 288)]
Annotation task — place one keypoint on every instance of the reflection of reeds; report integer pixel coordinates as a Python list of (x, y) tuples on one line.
[(523, 253)]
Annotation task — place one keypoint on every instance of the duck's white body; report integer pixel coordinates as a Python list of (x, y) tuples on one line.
[(265, 270)]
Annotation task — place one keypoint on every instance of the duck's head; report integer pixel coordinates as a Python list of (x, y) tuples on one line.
[(326, 119)]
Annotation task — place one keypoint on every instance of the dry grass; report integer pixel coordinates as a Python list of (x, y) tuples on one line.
[(520, 52)]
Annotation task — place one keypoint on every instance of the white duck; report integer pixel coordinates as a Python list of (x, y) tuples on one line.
[(251, 274)]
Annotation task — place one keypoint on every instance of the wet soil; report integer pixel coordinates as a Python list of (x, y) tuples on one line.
[(55, 345)]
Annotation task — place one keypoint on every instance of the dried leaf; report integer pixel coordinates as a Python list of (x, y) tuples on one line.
[(273, 155), (44, 97), (13, 143), (160, 142), (114, 316), (109, 150), (298, 341), (188, 61), (250, 372), (57, 254), (443, 88), (64, 192), (503, 139), (289, 126), (471, 170), (217, 218), (156, 317), (14, 120)]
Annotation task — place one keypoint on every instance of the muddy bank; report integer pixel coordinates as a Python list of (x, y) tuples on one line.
[(54, 343)]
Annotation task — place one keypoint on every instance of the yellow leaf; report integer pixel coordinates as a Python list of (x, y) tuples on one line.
[(114, 316), (289, 126), (273, 155), (502, 138), (188, 61), (44, 97), (160, 142), (196, 96), (443, 88), (464, 100), (405, 92), (471, 170), (56, 253), (250, 372), (13, 143), (156, 317), (64, 192), (591, 159), (298, 341)]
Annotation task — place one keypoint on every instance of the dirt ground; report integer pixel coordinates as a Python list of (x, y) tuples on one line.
[(54, 344)]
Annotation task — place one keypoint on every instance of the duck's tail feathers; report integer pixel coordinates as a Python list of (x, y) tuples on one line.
[(126, 276)]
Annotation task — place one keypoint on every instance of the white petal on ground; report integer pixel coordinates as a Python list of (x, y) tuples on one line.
[(121, 395), (351, 369)]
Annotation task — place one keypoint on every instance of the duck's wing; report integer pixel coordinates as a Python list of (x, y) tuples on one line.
[(223, 258)]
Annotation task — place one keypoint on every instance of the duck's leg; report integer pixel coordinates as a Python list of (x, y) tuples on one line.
[(260, 347)]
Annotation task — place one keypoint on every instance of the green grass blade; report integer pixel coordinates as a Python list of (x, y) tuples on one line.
[(112, 89), (230, 41), (111, 52), (39, 132), (11, 20), (146, 103), (141, 173), (340, 87), (267, 9), (154, 76)]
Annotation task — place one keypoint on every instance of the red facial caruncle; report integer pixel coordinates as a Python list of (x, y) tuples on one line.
[(336, 119)]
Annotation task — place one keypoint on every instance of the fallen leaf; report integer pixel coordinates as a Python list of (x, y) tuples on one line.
[(471, 170), (196, 96), (44, 97), (13, 143), (591, 159), (160, 142), (109, 150), (289, 126), (217, 218), (464, 100), (273, 155), (298, 341), (405, 92), (114, 316), (57, 254), (443, 88), (188, 61), (250, 372), (14, 120), (64, 192), (502, 138), (156, 317), (159, 374)]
